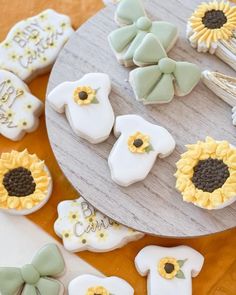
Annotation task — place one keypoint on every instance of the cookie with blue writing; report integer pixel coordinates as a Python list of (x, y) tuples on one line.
[(32, 45), (82, 227)]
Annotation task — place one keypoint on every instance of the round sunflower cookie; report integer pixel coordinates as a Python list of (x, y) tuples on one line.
[(206, 174), (25, 183), (211, 28)]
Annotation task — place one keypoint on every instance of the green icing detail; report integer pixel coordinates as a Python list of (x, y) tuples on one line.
[(32, 278), (126, 40), (180, 275), (155, 83)]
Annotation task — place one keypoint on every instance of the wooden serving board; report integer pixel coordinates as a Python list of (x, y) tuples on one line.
[(153, 205)]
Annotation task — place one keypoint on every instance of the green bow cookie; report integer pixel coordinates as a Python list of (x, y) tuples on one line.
[(125, 41), (33, 279), (164, 78)]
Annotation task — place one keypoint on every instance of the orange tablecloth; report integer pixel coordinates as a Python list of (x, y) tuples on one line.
[(218, 276)]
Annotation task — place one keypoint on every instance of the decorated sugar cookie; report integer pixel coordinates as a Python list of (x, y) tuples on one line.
[(169, 270), (33, 44), (19, 109), (163, 77), (25, 183), (38, 277), (92, 285), (136, 25), (211, 28), (206, 174), (222, 85), (82, 227), (138, 145), (86, 105)]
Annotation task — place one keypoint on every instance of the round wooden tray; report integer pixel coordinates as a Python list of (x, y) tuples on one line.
[(152, 206)]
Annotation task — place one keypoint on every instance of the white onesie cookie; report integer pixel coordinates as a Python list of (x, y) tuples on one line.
[(135, 152), (86, 105), (19, 109), (169, 270), (82, 227), (32, 45), (92, 285)]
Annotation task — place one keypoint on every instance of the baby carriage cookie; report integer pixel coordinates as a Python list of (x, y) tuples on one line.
[(169, 270), (38, 277), (82, 227), (19, 109), (25, 183), (162, 78), (131, 15), (211, 28), (32, 45), (206, 174), (86, 105), (139, 144), (91, 285)]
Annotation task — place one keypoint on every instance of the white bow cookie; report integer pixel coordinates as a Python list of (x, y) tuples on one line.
[(19, 109), (86, 105), (169, 270), (135, 152), (83, 228), (92, 285), (33, 44)]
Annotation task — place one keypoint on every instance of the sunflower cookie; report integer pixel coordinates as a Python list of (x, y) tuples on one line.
[(92, 285), (19, 109), (82, 227), (169, 270), (162, 78), (131, 15), (206, 174), (38, 277), (25, 183), (32, 45), (211, 28), (86, 105), (135, 152)]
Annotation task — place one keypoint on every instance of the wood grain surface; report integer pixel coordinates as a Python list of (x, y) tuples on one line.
[(153, 205)]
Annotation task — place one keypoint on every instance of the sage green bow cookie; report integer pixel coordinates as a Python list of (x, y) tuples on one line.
[(125, 41), (33, 279), (164, 78)]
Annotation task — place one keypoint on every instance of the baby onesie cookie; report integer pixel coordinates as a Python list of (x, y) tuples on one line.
[(136, 25), (32, 45), (211, 28), (206, 174), (19, 109), (25, 183), (92, 285), (135, 152), (82, 227), (86, 105), (169, 270), (163, 77), (38, 277)]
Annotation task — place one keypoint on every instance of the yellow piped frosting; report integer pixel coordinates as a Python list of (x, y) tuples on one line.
[(41, 177), (97, 290), (145, 143), (203, 150), (203, 34)]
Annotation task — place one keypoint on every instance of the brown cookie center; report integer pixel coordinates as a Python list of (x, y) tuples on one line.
[(19, 182), (169, 267), (83, 95), (210, 174), (138, 142), (214, 19)]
